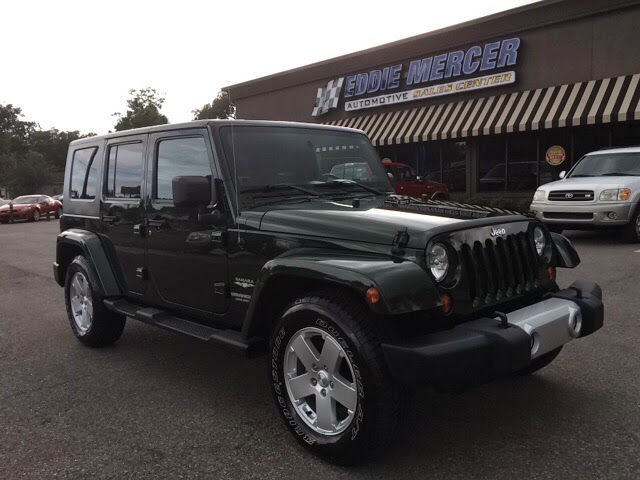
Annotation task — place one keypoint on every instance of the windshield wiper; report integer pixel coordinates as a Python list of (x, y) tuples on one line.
[(279, 186), (344, 181), (618, 174), (581, 175)]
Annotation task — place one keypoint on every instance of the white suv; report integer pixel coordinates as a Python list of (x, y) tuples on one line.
[(602, 190)]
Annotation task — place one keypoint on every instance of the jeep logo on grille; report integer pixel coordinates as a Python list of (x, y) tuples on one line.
[(498, 231), (568, 195)]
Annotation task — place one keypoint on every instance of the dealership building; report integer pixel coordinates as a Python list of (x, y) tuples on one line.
[(495, 106)]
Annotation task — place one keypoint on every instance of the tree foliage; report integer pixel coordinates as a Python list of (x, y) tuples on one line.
[(28, 174), (143, 110), (14, 131), (220, 107)]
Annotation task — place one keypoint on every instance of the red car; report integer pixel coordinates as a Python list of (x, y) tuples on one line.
[(32, 208), (409, 184)]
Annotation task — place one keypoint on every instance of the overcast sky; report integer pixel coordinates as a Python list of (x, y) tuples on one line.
[(71, 64)]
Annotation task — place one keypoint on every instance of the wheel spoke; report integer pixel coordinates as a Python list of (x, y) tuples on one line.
[(89, 306), (326, 412), (306, 352), (344, 393), (300, 386), (86, 319), (76, 286), (330, 355)]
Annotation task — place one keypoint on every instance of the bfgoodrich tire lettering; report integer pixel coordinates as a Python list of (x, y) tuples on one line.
[(380, 402), (104, 327)]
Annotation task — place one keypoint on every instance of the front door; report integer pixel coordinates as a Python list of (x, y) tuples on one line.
[(121, 210), (186, 259)]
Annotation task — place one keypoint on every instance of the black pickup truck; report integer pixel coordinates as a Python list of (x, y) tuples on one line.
[(237, 233)]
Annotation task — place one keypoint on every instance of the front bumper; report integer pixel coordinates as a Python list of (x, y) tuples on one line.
[(479, 351), (583, 213), (17, 215)]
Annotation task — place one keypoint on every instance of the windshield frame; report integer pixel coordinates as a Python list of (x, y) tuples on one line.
[(237, 197)]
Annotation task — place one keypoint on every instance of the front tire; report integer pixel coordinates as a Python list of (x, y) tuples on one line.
[(35, 216), (330, 380), (632, 229), (91, 322)]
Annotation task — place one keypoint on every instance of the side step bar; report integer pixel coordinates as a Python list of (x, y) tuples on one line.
[(230, 339)]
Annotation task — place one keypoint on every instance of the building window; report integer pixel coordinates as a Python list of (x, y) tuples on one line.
[(454, 166), (124, 171), (492, 168), (429, 161), (84, 174), (589, 139), (522, 163), (625, 135), (179, 157)]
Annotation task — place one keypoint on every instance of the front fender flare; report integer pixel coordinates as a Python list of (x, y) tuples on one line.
[(404, 286), (564, 253)]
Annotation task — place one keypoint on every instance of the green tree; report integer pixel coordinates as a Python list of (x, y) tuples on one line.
[(27, 174), (220, 107), (53, 145), (143, 110)]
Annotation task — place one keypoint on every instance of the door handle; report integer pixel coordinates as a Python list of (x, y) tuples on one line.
[(110, 219), (158, 224)]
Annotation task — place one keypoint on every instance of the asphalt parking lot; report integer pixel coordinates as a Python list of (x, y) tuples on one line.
[(161, 406)]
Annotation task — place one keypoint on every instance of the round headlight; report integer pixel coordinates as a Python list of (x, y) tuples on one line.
[(539, 240), (438, 261)]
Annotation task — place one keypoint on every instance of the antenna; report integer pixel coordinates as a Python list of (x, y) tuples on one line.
[(235, 169)]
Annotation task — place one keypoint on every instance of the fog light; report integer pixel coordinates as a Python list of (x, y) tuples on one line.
[(447, 303), (373, 295), (612, 215)]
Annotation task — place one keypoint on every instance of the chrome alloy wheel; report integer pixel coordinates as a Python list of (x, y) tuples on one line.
[(81, 306), (638, 226), (320, 381)]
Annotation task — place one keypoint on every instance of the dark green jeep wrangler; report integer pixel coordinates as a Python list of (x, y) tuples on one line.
[(241, 234)]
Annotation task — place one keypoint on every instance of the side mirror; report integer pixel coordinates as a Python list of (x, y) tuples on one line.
[(192, 191), (562, 174), (392, 179)]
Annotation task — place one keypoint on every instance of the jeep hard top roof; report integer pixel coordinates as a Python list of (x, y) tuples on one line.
[(204, 123)]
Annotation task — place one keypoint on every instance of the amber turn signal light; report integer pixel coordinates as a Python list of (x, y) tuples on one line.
[(447, 303), (373, 295)]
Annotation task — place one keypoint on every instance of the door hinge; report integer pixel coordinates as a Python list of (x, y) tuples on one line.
[(221, 289), (141, 272), (400, 242)]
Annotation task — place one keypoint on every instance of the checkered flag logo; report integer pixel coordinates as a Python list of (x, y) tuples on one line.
[(328, 97)]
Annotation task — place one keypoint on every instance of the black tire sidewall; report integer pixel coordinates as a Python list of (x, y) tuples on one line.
[(631, 231), (297, 317)]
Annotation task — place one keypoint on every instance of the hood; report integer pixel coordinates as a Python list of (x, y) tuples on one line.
[(371, 222), (596, 184)]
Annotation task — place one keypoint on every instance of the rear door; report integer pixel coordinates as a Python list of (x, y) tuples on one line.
[(186, 259), (121, 209)]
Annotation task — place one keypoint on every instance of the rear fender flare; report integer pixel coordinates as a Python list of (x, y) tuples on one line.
[(89, 244)]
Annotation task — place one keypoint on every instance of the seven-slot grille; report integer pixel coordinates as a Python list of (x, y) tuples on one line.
[(499, 268), (571, 196)]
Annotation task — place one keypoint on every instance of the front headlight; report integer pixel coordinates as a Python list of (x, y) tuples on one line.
[(438, 261), (539, 196), (615, 194), (539, 240)]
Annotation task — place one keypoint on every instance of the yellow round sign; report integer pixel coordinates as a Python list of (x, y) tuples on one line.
[(555, 155)]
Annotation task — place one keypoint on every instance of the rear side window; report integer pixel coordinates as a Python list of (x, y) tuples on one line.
[(124, 171), (84, 174), (179, 157)]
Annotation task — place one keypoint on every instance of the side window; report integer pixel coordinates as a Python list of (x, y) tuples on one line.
[(124, 171), (84, 174), (176, 157)]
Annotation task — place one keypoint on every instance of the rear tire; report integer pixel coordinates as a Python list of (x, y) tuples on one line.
[(540, 362), (341, 424), (91, 322), (632, 229)]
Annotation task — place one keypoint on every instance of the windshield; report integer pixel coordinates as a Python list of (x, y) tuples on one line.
[(608, 164), (319, 160), (25, 200)]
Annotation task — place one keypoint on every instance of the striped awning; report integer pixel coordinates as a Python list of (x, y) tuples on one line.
[(586, 103)]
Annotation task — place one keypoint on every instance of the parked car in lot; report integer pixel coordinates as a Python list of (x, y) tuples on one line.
[(406, 182), (4, 202), (355, 294), (59, 198), (30, 207), (601, 191)]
